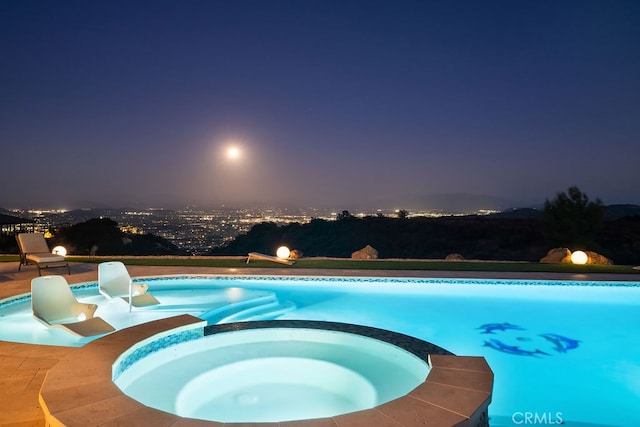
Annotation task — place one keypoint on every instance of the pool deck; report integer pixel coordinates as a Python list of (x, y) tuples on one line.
[(23, 367)]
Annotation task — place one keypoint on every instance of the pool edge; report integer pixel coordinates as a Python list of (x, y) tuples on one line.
[(79, 391)]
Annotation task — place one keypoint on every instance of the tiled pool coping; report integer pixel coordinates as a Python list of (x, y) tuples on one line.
[(309, 279), (79, 390)]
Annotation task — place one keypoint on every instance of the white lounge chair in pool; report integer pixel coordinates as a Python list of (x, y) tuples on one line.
[(53, 304), (114, 282), (258, 255), (34, 250)]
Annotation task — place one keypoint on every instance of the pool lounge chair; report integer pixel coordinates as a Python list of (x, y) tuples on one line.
[(34, 250), (114, 282), (53, 304), (258, 255)]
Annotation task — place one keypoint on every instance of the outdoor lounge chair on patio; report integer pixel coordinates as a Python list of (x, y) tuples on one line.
[(258, 255), (53, 304), (114, 282), (34, 250)]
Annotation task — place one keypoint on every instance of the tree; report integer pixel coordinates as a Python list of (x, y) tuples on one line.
[(344, 215), (572, 220), (403, 214), (101, 236)]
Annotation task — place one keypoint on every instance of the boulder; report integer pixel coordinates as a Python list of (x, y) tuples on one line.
[(365, 253), (557, 256), (596, 258), (454, 257)]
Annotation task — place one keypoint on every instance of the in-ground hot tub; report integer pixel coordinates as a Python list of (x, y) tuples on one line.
[(268, 375)]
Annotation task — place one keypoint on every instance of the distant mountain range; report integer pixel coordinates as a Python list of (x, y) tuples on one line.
[(466, 204), (460, 203), (611, 212)]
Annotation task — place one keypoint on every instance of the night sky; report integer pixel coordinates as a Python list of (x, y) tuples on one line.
[(330, 103)]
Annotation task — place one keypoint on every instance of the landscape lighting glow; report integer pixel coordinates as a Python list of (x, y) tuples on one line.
[(59, 250), (283, 252), (579, 257)]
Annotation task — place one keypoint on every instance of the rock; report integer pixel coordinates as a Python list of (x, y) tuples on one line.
[(596, 258), (557, 256), (454, 257), (365, 253), (563, 255), (295, 254)]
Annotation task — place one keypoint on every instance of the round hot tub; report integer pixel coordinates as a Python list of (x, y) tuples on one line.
[(271, 374)]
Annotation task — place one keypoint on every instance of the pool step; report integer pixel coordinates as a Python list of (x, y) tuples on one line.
[(264, 308), (265, 312), (219, 313), (211, 301)]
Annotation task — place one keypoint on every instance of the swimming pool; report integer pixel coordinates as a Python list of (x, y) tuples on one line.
[(561, 352)]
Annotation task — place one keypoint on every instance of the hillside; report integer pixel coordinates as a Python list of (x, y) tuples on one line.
[(100, 236), (611, 212), (474, 237)]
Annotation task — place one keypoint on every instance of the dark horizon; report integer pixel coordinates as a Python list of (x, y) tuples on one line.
[(441, 203), (454, 201)]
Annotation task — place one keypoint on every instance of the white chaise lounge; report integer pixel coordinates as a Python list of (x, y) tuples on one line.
[(258, 255), (54, 305), (34, 250), (115, 282)]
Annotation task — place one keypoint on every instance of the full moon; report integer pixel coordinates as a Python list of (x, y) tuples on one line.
[(233, 153)]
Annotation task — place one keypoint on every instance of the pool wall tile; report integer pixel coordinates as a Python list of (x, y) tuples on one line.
[(160, 343), (345, 279), (385, 280)]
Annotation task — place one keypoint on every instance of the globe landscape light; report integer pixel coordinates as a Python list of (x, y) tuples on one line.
[(579, 257), (283, 252), (59, 250)]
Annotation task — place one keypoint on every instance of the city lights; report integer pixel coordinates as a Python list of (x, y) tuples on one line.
[(192, 228)]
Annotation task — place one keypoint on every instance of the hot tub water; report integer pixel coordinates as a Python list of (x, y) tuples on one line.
[(271, 375)]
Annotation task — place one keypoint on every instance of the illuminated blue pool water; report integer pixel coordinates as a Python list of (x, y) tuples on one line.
[(269, 375), (562, 352)]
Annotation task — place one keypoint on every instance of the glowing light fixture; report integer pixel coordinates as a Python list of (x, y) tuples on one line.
[(579, 257), (283, 252), (59, 250)]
